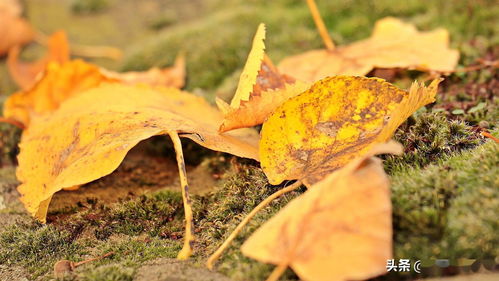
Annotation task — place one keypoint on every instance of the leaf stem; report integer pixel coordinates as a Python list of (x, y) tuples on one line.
[(214, 257), (320, 25), (186, 251), (93, 259), (277, 272), (12, 122)]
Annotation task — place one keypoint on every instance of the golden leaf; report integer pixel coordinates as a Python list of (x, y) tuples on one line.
[(14, 30), (24, 73), (340, 229), (59, 82), (392, 44), (336, 120), (250, 71), (261, 89), (88, 136)]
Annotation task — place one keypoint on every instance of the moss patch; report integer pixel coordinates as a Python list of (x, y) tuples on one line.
[(447, 210), (37, 247), (427, 137)]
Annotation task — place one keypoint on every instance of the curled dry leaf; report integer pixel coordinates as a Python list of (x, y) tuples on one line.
[(25, 73), (261, 89), (88, 136), (336, 120), (59, 82), (340, 229), (393, 44), (14, 30)]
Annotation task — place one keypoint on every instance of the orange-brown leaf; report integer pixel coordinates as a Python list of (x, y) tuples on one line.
[(340, 229), (393, 44), (59, 82), (14, 30), (25, 73)]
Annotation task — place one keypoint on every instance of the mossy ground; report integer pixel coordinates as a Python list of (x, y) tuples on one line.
[(444, 188)]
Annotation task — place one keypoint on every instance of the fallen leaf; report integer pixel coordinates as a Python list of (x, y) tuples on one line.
[(14, 30), (340, 229), (169, 77), (88, 136), (336, 120), (25, 73), (13, 7), (392, 44), (59, 82), (261, 89)]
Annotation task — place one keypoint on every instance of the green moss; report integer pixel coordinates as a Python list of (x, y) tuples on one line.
[(154, 214), (114, 272), (132, 251), (448, 209), (36, 247), (427, 137), (89, 6), (225, 208)]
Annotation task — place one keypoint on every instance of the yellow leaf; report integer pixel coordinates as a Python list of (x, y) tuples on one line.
[(250, 71), (336, 120), (59, 82), (25, 73), (88, 136), (340, 229), (260, 91), (393, 44)]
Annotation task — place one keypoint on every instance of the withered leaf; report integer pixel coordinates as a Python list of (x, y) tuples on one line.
[(25, 73), (261, 89), (392, 44), (340, 229), (336, 120), (14, 30), (88, 136), (59, 82)]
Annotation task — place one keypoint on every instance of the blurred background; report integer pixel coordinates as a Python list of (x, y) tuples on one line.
[(216, 34)]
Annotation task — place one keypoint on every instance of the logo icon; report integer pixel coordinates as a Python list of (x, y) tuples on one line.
[(417, 266)]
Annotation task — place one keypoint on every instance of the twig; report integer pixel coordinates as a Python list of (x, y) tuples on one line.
[(63, 268), (93, 259), (186, 251), (214, 257), (320, 25)]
